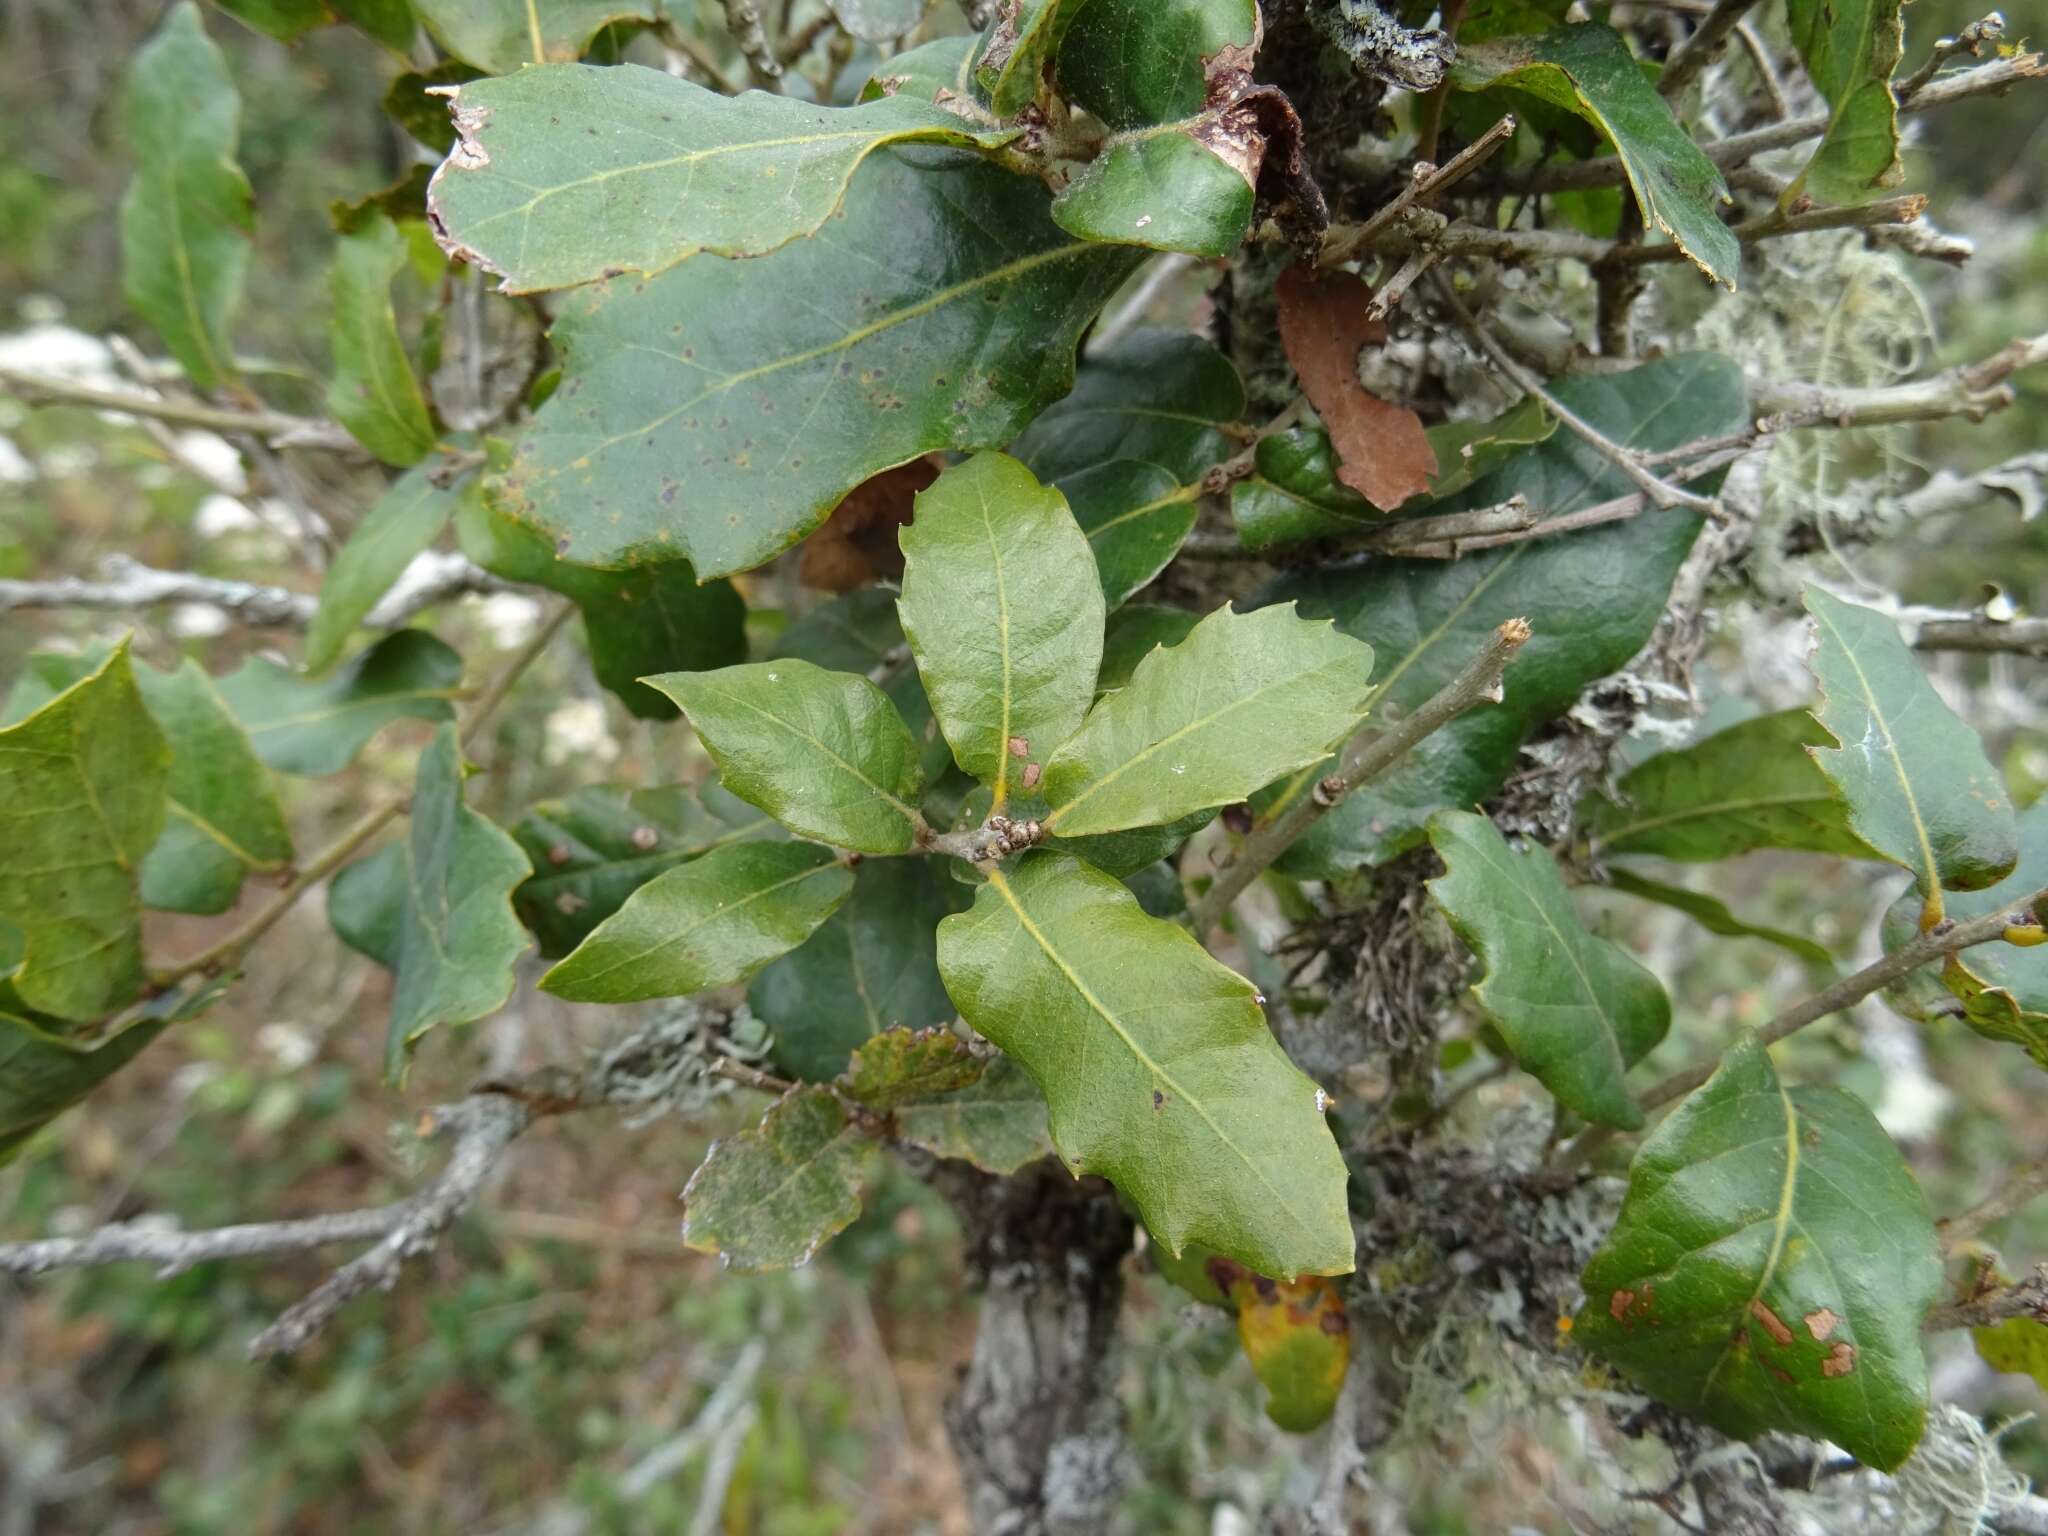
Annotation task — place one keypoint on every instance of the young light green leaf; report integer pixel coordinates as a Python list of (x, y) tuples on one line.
[(405, 520), (656, 617), (375, 393), (82, 798), (2017, 1346), (873, 966), (998, 1123), (186, 217), (1587, 69), (1593, 599), (500, 36), (570, 173), (1850, 49), (298, 726), (1245, 698), (770, 1197), (1771, 1267), (900, 1066), (1157, 1065), (596, 848), (1919, 788), (824, 753), (1753, 785), (1577, 1010), (2002, 988), (696, 420), (1004, 614), (712, 922), (435, 909), (1713, 914)]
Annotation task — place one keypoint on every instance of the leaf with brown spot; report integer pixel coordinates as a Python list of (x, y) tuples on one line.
[(1324, 326)]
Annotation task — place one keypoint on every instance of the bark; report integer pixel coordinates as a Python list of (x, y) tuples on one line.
[(1036, 1427)]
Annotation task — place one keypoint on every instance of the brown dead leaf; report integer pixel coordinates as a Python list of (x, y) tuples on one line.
[(857, 545), (1323, 325)]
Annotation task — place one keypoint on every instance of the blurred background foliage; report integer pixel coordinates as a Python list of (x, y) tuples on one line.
[(516, 1382)]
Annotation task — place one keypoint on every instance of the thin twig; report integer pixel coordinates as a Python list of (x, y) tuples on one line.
[(1970, 390), (1983, 636), (743, 21), (2023, 1298), (2019, 1187), (1425, 182), (273, 426), (174, 1251), (1661, 492), (1974, 40), (750, 1077), (1697, 51), (1478, 683)]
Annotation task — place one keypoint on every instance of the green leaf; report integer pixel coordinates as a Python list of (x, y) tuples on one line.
[(998, 1123), (771, 1196), (390, 22), (186, 217), (694, 418), (1593, 599), (1919, 788), (1016, 50), (570, 173), (1771, 1267), (1587, 70), (2003, 988), (502, 35), (596, 848), (1577, 1010), (1156, 1063), (285, 20), (1753, 785), (436, 908), (943, 64), (656, 617), (374, 392), (904, 1065), (861, 632), (713, 922), (879, 21), (1712, 914), (873, 966), (1850, 48), (824, 753), (1004, 614), (1298, 1339), (2017, 1346), (1135, 633), (405, 521), (1178, 169), (1245, 698), (82, 799), (299, 726)]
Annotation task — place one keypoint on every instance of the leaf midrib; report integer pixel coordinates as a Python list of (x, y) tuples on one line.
[(1932, 871)]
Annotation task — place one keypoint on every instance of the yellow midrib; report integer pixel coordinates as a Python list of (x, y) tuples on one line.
[(1932, 872), (1781, 1230), (678, 935)]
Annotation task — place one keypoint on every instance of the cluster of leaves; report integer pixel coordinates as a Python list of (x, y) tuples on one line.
[(956, 801)]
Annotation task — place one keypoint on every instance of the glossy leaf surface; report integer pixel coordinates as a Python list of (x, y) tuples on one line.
[(374, 392)]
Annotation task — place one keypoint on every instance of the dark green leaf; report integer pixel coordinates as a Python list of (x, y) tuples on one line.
[(1771, 1267), (1918, 786), (1016, 50), (769, 1197), (298, 726), (1135, 633), (1004, 614), (502, 35), (406, 519), (696, 419), (374, 392), (82, 799), (1753, 785), (710, 923), (1577, 1010), (1587, 69), (873, 966), (390, 22), (1156, 1062), (186, 218), (824, 753), (1850, 48), (596, 848), (943, 64), (650, 618), (570, 173), (285, 20), (998, 1124), (1136, 517), (1592, 597), (435, 909), (1712, 914), (861, 632), (1244, 699), (408, 103)]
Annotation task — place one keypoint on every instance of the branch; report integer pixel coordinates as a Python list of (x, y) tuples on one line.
[(743, 20), (1996, 76), (273, 426), (1425, 182), (1479, 683), (1974, 39), (2020, 1186), (1697, 51), (1972, 390), (2023, 1298), (1946, 938), (1982, 636), (173, 1251), (126, 584)]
